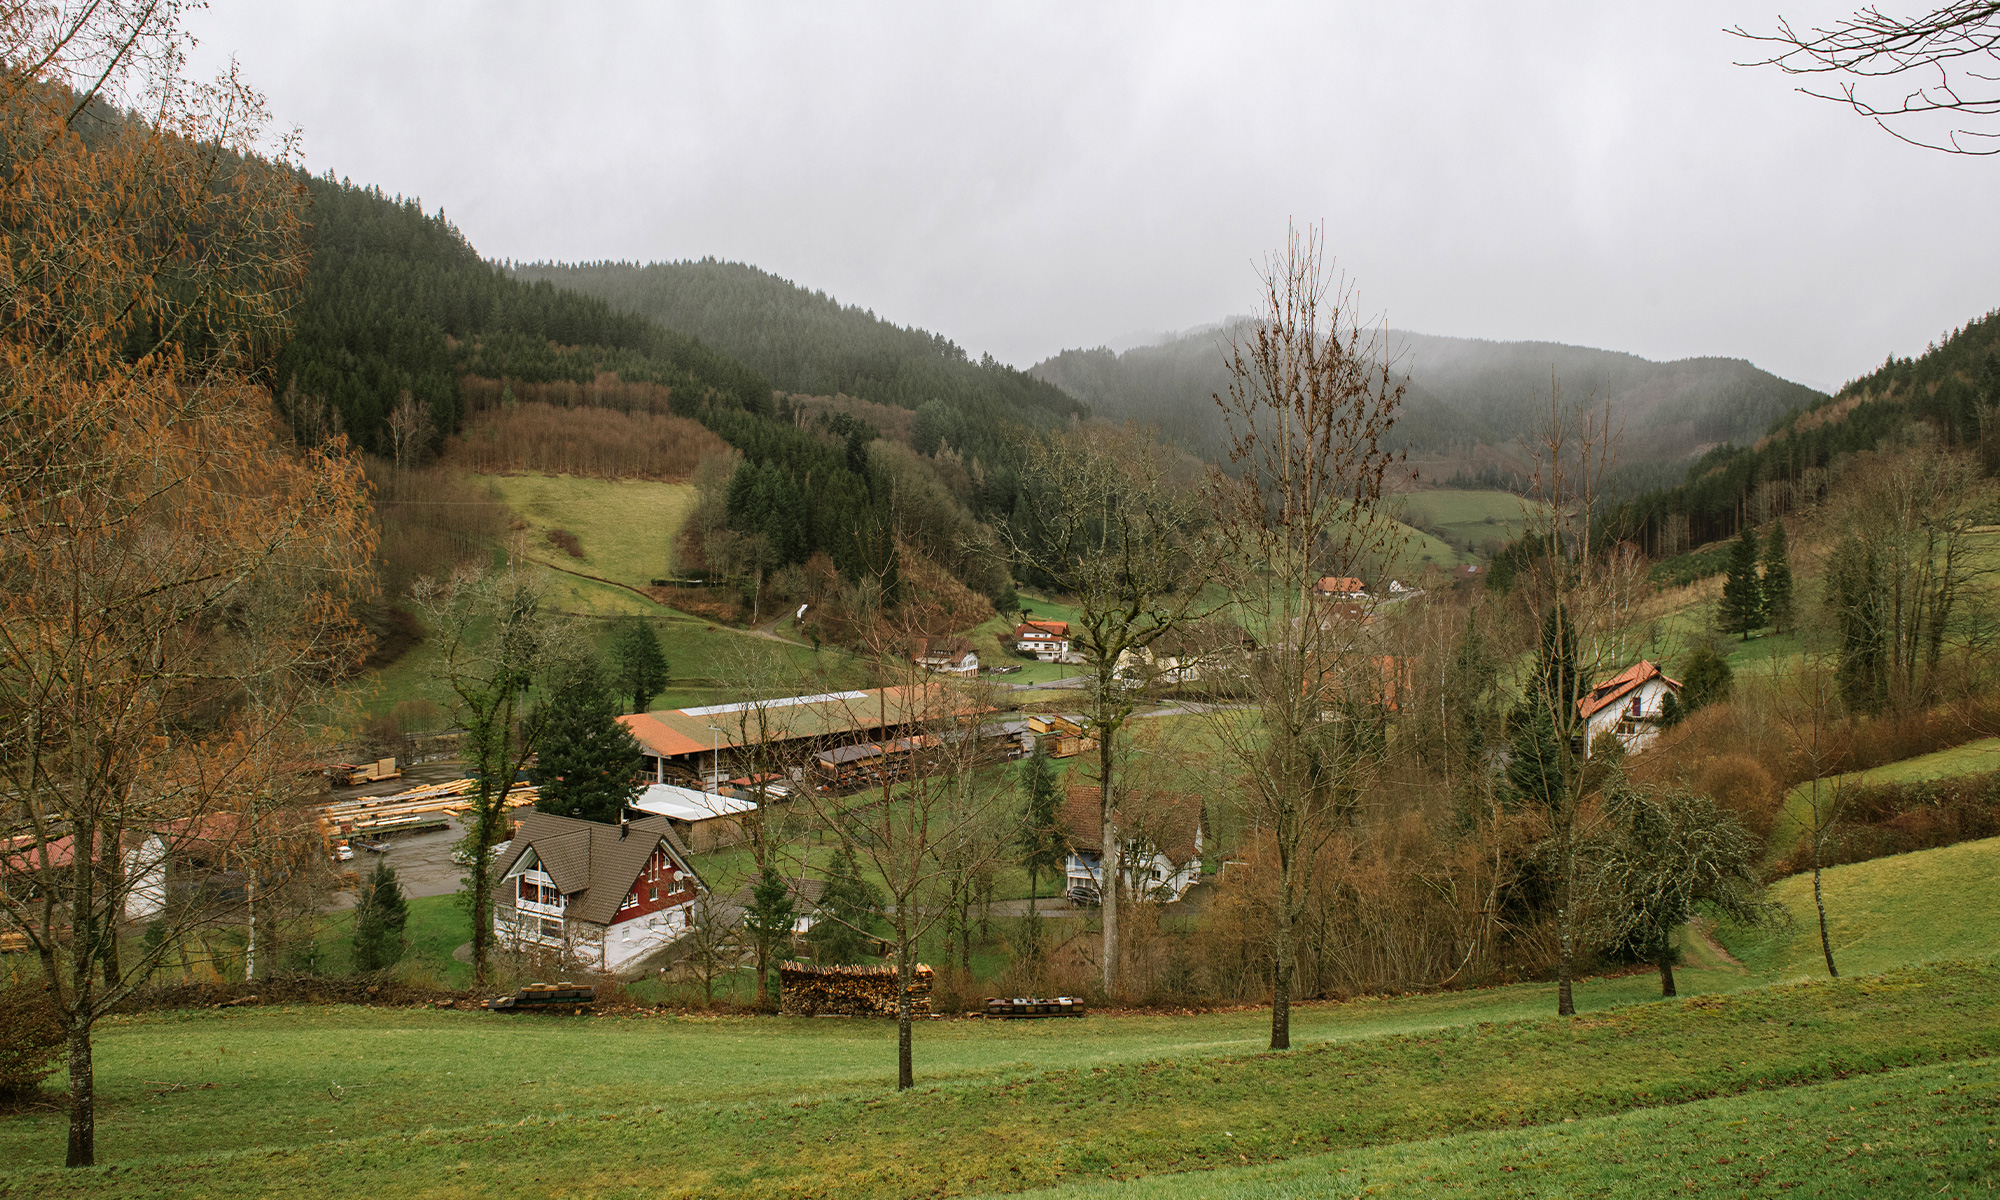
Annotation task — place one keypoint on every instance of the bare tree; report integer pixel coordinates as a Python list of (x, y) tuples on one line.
[(409, 430), (714, 941), (1945, 63), (1100, 519), (1809, 709), (1311, 400), (1578, 593), (496, 645), (919, 833)]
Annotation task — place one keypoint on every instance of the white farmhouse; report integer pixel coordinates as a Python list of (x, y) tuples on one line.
[(1159, 841), (1629, 704)]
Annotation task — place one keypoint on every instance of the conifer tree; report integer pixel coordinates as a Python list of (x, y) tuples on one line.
[(379, 920), (638, 665), (1043, 841), (1777, 579), (769, 922), (590, 764), (847, 906), (1742, 608)]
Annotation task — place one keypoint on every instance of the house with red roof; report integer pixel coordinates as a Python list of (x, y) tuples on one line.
[(1046, 640), (1630, 704)]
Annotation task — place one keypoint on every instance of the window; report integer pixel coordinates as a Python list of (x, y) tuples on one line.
[(652, 893), (551, 929)]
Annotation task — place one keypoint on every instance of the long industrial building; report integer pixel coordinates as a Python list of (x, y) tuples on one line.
[(712, 742)]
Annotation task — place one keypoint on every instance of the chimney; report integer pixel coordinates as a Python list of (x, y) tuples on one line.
[(624, 826)]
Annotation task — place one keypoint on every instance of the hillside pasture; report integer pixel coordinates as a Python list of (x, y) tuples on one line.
[(625, 527), (1468, 518)]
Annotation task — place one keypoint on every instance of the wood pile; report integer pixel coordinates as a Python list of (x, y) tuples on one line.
[(1022, 1007), (419, 808), (547, 997), (848, 991)]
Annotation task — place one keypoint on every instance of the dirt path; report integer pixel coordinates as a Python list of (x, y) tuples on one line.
[(1700, 931)]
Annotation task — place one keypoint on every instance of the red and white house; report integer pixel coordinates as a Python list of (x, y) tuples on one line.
[(1629, 704), (1046, 640), (604, 895)]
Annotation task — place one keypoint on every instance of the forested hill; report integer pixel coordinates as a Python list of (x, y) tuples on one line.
[(1953, 387), (809, 343), (1469, 400), (396, 300)]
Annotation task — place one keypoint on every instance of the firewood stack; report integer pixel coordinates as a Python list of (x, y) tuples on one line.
[(849, 991)]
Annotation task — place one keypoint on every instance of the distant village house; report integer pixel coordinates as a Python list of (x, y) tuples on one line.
[(1046, 640), (1160, 839), (945, 656)]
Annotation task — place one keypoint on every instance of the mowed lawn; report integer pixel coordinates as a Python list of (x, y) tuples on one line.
[(1725, 1087), (344, 1102)]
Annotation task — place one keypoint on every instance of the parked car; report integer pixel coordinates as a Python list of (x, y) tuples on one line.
[(1084, 895)]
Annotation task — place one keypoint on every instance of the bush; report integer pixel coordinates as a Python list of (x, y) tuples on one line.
[(1740, 784), (31, 1040)]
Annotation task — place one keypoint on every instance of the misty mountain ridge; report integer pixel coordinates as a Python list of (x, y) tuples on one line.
[(1470, 403)]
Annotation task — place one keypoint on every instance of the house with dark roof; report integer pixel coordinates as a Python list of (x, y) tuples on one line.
[(945, 655), (1630, 704), (1159, 835), (604, 895)]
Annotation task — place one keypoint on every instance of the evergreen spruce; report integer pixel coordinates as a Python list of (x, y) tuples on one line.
[(848, 906), (1044, 843), (1777, 579), (379, 919), (769, 921), (638, 665), (590, 764), (1742, 610)]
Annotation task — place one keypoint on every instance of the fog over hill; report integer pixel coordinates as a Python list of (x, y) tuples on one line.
[(1470, 401)]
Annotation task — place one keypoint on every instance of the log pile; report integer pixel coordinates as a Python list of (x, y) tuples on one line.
[(419, 808), (547, 997), (849, 991)]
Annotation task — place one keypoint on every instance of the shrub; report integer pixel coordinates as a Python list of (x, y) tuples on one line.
[(31, 1040), (1740, 784)]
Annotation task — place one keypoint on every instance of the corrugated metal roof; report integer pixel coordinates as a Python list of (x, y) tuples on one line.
[(677, 732)]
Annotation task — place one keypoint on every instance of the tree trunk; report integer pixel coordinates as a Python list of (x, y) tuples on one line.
[(906, 1076), (1034, 885), (1666, 961), (82, 1096), (1565, 999), (1281, 976), (1107, 865), (1819, 902)]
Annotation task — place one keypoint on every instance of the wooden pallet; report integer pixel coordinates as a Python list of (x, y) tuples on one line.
[(1019, 1008)]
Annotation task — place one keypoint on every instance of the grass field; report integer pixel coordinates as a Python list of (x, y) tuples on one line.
[(1472, 518), (1922, 907), (627, 527), (1869, 1085), (1972, 758)]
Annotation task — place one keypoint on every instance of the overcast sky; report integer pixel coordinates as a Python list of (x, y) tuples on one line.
[(1029, 178)]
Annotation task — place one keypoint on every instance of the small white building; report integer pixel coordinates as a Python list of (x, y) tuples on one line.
[(703, 821), (1629, 704), (1160, 840), (600, 895)]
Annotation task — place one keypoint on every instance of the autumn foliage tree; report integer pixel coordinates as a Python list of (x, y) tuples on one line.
[(175, 576)]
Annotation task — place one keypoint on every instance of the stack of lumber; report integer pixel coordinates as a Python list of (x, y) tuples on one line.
[(849, 991), (1022, 1007), (423, 807), (547, 997)]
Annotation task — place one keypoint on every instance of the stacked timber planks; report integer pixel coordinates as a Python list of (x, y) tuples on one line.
[(425, 807), (1028, 1007), (849, 991), (547, 997)]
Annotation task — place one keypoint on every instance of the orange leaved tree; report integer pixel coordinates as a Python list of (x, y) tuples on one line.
[(174, 575)]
